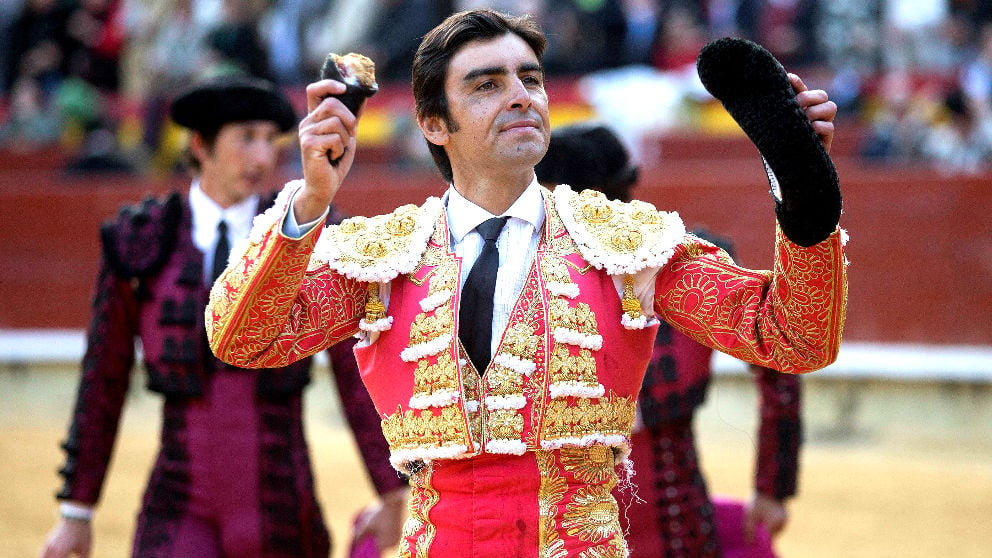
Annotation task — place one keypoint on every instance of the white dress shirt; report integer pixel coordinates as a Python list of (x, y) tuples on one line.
[(517, 245), (207, 214)]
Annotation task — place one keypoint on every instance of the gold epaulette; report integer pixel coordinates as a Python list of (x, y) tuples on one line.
[(378, 249), (619, 237)]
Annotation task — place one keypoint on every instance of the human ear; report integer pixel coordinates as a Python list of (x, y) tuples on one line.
[(434, 129)]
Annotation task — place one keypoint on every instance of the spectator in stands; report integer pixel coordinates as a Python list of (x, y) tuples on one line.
[(96, 32), (233, 475), (672, 514), (164, 53), (39, 44), (8, 13), (393, 38), (31, 123), (236, 47)]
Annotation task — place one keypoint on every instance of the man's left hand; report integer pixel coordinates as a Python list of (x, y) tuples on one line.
[(766, 511), (384, 519), (820, 110)]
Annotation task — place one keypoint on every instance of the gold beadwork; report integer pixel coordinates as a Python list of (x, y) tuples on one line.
[(627, 239), (610, 415), (401, 225), (505, 424), (441, 376), (520, 341), (374, 308), (630, 303), (426, 327), (566, 367)]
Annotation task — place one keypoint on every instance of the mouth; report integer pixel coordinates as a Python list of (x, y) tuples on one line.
[(519, 124)]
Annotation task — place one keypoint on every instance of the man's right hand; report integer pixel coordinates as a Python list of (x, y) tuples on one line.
[(69, 537), (326, 133)]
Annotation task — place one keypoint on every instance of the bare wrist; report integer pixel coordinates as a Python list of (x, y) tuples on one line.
[(306, 208)]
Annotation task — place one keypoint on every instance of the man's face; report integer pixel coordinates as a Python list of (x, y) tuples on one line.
[(498, 106), (241, 162)]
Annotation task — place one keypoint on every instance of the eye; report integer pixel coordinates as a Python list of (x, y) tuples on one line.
[(487, 85)]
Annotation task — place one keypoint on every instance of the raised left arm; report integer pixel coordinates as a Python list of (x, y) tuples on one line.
[(790, 319)]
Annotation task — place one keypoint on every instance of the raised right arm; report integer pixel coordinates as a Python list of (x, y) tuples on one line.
[(268, 309)]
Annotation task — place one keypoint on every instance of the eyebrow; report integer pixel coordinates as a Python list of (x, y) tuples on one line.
[(500, 70)]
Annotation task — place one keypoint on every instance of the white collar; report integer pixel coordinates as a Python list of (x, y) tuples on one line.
[(464, 215), (207, 213)]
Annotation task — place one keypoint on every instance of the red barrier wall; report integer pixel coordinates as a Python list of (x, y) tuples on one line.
[(920, 248)]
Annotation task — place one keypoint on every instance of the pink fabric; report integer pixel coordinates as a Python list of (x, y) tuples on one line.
[(730, 531)]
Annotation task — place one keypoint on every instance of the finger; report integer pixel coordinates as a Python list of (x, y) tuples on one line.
[(824, 112), (797, 83), (332, 109), (825, 131), (319, 90), (750, 521), (811, 98)]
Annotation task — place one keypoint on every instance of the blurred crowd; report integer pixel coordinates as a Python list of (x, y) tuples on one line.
[(95, 76)]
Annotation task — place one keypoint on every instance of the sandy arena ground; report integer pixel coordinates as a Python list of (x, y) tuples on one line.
[(888, 470)]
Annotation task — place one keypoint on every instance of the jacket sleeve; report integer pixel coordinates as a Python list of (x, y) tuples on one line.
[(779, 433), (268, 309), (789, 319), (103, 384), (362, 418)]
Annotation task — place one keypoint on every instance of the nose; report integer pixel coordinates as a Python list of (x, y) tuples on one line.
[(519, 96), (264, 153)]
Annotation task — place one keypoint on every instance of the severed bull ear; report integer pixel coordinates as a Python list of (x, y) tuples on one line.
[(756, 91), (357, 72)]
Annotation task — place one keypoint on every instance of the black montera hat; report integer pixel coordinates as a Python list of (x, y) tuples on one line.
[(208, 105), (588, 156)]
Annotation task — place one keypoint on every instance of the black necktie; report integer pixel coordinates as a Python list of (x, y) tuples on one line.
[(475, 318), (222, 250)]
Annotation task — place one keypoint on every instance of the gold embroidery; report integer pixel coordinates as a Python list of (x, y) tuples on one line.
[(742, 312), (575, 502), (554, 269), (504, 381), (596, 211), (444, 277), (592, 515), (429, 326), (610, 415), (401, 225), (418, 526), (505, 424), (644, 213), (566, 367), (262, 314), (626, 239), (617, 236), (579, 318), (630, 303), (550, 495), (520, 341), (374, 308), (614, 548), (594, 464), (421, 429), (433, 378), (557, 237), (366, 241)]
